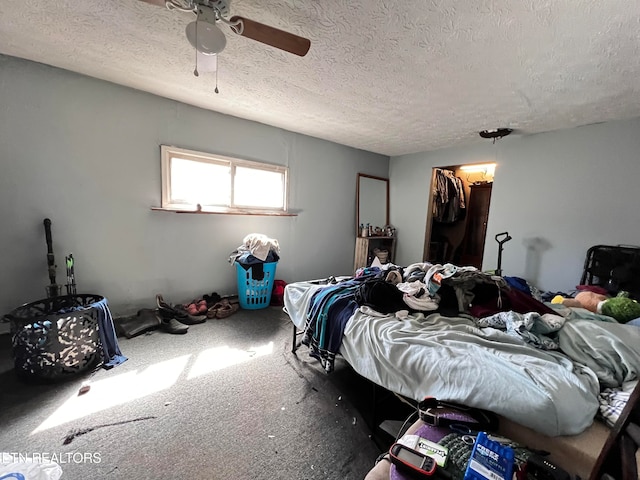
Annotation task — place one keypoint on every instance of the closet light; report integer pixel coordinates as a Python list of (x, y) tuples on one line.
[(486, 168)]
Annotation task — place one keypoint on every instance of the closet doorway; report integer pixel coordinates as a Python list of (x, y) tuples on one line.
[(458, 213)]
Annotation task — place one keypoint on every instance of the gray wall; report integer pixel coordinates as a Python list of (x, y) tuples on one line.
[(557, 194), (85, 153)]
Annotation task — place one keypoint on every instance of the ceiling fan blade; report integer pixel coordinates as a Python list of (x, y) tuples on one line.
[(272, 36), (159, 3)]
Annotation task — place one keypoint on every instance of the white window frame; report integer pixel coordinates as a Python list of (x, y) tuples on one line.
[(167, 152)]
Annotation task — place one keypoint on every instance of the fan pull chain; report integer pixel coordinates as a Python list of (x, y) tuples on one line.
[(195, 71), (216, 89)]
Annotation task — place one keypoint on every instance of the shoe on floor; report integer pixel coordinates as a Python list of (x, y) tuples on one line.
[(227, 309), (211, 312), (161, 303), (224, 306), (171, 325), (186, 317), (202, 307), (178, 312), (211, 299), (196, 307), (191, 308), (146, 319)]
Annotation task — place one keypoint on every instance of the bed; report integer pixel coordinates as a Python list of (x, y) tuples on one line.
[(540, 392)]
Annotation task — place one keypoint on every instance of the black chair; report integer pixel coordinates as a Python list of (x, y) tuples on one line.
[(614, 268)]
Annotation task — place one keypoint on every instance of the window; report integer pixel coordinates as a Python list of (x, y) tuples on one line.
[(221, 184)]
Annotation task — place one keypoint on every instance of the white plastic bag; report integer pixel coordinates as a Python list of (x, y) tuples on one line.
[(14, 467)]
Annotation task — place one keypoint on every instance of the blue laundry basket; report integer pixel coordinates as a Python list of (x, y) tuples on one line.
[(255, 294)]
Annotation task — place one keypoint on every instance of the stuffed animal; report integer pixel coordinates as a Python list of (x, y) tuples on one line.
[(621, 307), (587, 300)]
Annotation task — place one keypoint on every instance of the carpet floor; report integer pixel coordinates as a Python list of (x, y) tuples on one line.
[(228, 400)]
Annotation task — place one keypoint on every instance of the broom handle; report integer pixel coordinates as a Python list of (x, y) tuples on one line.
[(50, 257)]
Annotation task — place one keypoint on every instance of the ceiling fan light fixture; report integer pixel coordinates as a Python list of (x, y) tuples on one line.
[(206, 37)]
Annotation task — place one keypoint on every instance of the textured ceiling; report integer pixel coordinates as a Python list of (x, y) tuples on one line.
[(386, 76)]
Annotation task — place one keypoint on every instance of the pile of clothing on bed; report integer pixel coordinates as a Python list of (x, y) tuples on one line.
[(494, 301)]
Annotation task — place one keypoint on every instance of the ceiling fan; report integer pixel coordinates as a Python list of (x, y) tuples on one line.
[(205, 36)]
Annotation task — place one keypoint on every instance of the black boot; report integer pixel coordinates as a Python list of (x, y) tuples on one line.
[(146, 319), (180, 314), (170, 324)]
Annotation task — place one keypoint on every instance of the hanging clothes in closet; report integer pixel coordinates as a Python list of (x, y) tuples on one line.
[(448, 197)]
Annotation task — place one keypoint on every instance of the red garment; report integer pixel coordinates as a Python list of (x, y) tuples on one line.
[(277, 294), (593, 288), (512, 300)]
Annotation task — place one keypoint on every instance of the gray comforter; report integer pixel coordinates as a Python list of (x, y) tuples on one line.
[(451, 359)]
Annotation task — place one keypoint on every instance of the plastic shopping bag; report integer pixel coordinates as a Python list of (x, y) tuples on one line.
[(14, 467)]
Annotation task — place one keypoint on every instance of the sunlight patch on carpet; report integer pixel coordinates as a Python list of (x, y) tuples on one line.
[(118, 390), (218, 358), (126, 387)]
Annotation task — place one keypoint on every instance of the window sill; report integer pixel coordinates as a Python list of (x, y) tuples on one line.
[(226, 212)]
